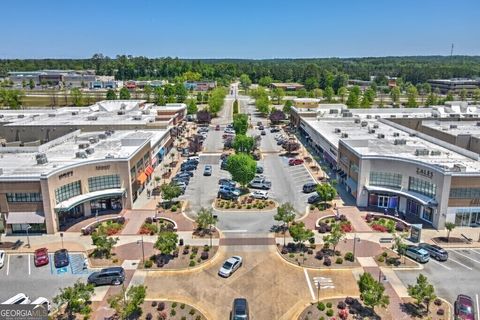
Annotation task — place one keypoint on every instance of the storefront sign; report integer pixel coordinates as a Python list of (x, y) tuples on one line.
[(475, 201), (65, 175), (416, 233), (425, 173), (105, 167)]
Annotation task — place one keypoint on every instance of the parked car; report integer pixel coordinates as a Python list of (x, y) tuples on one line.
[(256, 155), (463, 308), (281, 141), (40, 257), (295, 162), (258, 194), (207, 171), (261, 127), (229, 126), (114, 276), (259, 123), (309, 187), (183, 179), (187, 174), (435, 251), (44, 302), (417, 254), (19, 298), (224, 156), (240, 309), (230, 188), (259, 169), (223, 165), (229, 130), (263, 133), (188, 167), (260, 184), (181, 184), (194, 158), (191, 161), (227, 182), (230, 266), (217, 127), (274, 129), (313, 199), (3, 255), (60, 258), (226, 195)]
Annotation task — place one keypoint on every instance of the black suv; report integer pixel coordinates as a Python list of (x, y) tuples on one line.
[(240, 309), (60, 258), (114, 276), (309, 187), (226, 195)]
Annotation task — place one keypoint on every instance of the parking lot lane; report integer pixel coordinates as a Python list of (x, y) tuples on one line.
[(466, 256), (440, 264)]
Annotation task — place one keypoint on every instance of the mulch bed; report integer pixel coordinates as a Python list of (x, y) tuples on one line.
[(315, 256), (187, 257), (10, 245), (103, 262), (326, 224), (452, 240), (244, 204), (384, 223), (197, 234), (438, 309), (392, 259), (340, 309), (153, 310)]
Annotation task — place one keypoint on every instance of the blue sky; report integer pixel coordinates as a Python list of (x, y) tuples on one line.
[(238, 28)]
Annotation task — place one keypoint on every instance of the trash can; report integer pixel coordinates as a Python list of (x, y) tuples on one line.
[(180, 242)]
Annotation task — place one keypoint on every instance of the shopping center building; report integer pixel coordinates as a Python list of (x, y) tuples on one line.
[(420, 163), (59, 167)]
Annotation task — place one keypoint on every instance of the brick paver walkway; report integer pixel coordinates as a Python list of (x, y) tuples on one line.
[(78, 226), (183, 224), (311, 219), (355, 217), (135, 219)]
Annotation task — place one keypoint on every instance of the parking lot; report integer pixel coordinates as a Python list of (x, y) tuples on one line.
[(19, 275), (460, 274)]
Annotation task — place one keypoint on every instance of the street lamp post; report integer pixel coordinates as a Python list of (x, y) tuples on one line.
[(317, 282), (28, 237), (143, 250), (61, 237), (355, 239)]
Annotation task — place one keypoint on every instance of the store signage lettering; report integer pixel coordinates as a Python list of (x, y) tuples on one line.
[(425, 173), (65, 175), (106, 167), (475, 201)]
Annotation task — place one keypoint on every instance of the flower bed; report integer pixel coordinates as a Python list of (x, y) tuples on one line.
[(325, 224), (172, 310), (110, 226), (383, 223), (244, 203), (342, 309), (184, 257), (173, 207), (96, 262), (316, 256), (389, 258), (150, 227)]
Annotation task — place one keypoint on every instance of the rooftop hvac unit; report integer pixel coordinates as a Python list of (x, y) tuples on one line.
[(102, 136), (478, 124), (356, 120), (381, 136), (41, 158), (413, 134), (81, 154), (90, 150), (375, 125), (338, 130), (74, 113), (109, 156), (369, 116), (92, 118), (364, 123), (377, 116), (108, 133), (405, 115), (347, 114), (344, 135), (83, 145), (51, 115), (137, 117), (422, 152), (20, 116), (435, 152), (370, 130), (399, 142), (1, 115), (453, 126), (459, 168), (93, 140), (393, 116), (333, 111), (396, 134), (121, 112)]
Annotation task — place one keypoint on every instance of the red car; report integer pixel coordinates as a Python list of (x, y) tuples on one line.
[(464, 309), (294, 162), (40, 257)]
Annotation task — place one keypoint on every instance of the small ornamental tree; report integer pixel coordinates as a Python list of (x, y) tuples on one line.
[(335, 236), (75, 299), (285, 214), (277, 116), (422, 291), (300, 233), (287, 106), (195, 144), (103, 243), (124, 94), (235, 107), (205, 219), (372, 292), (400, 245), (449, 226), (240, 123), (170, 191), (111, 95), (242, 168), (326, 192), (192, 107), (127, 303), (291, 146), (166, 242)]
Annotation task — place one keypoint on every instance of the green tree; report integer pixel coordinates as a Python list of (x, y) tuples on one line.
[(199, 97), (111, 95), (412, 95), (285, 214), (77, 97), (243, 143), (476, 95), (328, 94), (431, 99), (326, 192), (263, 104), (245, 82), (353, 100), (181, 92), (287, 106), (449, 226), (166, 242), (342, 93), (103, 243), (400, 245), (302, 93), (147, 90), (235, 106), (311, 83), (422, 292), (317, 93), (365, 103), (449, 96), (205, 219), (300, 233), (240, 123), (192, 76), (216, 100), (75, 299), (335, 236), (124, 94), (191, 107), (242, 167), (169, 192), (463, 94), (372, 292), (31, 84), (278, 94), (265, 81), (127, 303), (395, 95), (158, 96)]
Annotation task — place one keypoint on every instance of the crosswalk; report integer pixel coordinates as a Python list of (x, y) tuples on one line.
[(323, 283)]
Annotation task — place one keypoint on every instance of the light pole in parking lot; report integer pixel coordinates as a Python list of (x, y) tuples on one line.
[(143, 250), (28, 237), (355, 239), (61, 237)]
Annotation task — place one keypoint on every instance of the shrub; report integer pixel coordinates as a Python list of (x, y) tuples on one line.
[(291, 255), (346, 227), (204, 255), (161, 306), (326, 246), (199, 260), (400, 226), (384, 254), (174, 304), (312, 207), (173, 312), (182, 306), (339, 260), (187, 246), (284, 250), (349, 256), (148, 264), (193, 255), (183, 318), (148, 316), (321, 306), (186, 251), (174, 208), (343, 217), (192, 312), (319, 255), (195, 250), (327, 262), (329, 304), (206, 248), (154, 303), (162, 315), (379, 227), (338, 253), (391, 260), (440, 312), (310, 251), (249, 206), (438, 302), (381, 259), (198, 317), (321, 318), (192, 263), (349, 300), (341, 305), (329, 313), (311, 240)]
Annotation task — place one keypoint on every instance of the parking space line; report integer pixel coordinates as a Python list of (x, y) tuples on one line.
[(453, 260), (478, 306), (29, 266), (309, 283), (440, 264), (473, 250), (8, 264), (464, 255)]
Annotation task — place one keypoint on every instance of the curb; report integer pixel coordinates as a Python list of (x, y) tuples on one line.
[(180, 302), (253, 210)]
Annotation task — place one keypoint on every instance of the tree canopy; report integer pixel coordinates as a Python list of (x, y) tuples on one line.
[(372, 291), (127, 303), (166, 242), (240, 123), (242, 167), (243, 143), (75, 298)]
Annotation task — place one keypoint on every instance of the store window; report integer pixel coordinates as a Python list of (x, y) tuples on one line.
[(24, 197), (68, 191), (422, 186), (385, 179), (103, 182), (465, 193), (467, 217), (427, 214)]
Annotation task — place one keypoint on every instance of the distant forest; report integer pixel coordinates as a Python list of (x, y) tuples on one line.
[(415, 69)]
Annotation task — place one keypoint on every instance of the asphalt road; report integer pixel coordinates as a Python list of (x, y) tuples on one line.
[(458, 275)]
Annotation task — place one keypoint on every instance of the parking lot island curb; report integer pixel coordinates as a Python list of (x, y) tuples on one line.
[(203, 312), (253, 210)]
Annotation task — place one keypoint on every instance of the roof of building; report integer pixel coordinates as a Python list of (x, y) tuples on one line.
[(455, 128)]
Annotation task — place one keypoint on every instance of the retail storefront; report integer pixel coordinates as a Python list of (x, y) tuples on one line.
[(19, 222)]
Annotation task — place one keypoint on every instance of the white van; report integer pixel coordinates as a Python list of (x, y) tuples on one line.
[(20, 298), (44, 302)]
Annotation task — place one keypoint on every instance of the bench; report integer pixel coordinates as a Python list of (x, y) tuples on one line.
[(469, 240), (386, 240)]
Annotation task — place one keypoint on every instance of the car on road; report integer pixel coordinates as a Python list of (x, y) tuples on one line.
[(259, 169), (313, 199), (230, 266), (309, 187), (60, 258), (436, 252), (240, 309), (418, 254), (217, 127), (226, 195), (19, 298), (295, 162), (259, 194), (207, 171), (40, 257), (463, 308), (114, 276), (263, 133), (2, 258)]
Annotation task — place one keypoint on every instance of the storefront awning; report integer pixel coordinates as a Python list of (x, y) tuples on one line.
[(25, 217), (424, 200), (72, 202), (142, 177), (149, 170)]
